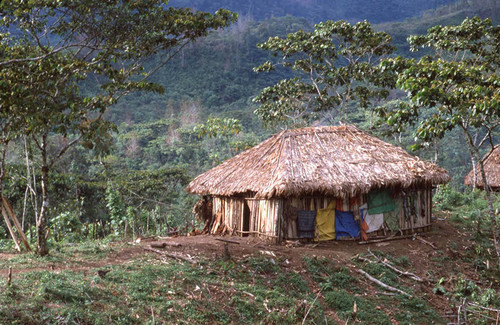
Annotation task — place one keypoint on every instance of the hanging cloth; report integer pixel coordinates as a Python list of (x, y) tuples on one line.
[(392, 218), (325, 222), (380, 202), (345, 225), (373, 222)]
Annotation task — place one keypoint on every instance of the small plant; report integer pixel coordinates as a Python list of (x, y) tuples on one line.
[(416, 311), (402, 260), (439, 289), (263, 265), (319, 268)]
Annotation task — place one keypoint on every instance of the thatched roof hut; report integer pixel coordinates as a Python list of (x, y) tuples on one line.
[(340, 161), (491, 162), (343, 179)]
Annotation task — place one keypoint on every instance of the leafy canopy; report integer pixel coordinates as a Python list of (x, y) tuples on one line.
[(334, 64), (51, 50), (459, 83)]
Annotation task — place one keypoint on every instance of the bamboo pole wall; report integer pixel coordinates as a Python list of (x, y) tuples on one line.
[(277, 218), (229, 216)]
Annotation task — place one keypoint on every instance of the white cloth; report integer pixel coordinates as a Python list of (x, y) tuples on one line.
[(374, 221)]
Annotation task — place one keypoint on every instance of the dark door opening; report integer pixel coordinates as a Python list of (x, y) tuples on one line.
[(246, 219)]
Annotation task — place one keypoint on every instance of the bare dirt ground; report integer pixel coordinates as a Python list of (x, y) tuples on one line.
[(441, 261), (444, 236)]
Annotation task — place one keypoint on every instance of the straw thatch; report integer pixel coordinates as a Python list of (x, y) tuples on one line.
[(340, 161), (491, 162)]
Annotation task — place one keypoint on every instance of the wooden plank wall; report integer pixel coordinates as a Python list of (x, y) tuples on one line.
[(277, 218), (228, 213), (422, 200)]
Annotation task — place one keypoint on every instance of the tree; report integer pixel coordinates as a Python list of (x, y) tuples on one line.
[(458, 87), (66, 46), (335, 64), (220, 128)]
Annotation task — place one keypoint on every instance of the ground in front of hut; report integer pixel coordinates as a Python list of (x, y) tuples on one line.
[(122, 283)]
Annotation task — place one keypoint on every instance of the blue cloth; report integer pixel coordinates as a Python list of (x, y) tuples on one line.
[(345, 225)]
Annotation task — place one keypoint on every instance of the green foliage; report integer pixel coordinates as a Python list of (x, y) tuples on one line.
[(45, 61), (459, 83), (416, 310), (335, 63), (458, 87), (448, 198), (343, 302), (67, 225), (402, 261), (319, 268), (382, 273), (116, 207), (217, 127), (439, 289)]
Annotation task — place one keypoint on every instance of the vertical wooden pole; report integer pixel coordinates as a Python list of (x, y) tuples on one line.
[(9, 276), (11, 231)]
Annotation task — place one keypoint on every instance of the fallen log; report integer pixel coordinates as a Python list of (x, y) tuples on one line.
[(163, 244), (386, 264), (382, 284), (171, 255), (386, 239), (426, 242), (227, 241)]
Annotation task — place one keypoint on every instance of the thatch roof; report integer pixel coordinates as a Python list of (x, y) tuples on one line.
[(491, 162), (340, 161)]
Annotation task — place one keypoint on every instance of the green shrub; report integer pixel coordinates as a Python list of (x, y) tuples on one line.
[(447, 198)]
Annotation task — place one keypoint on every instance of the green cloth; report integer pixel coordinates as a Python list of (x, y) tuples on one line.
[(380, 202), (392, 218)]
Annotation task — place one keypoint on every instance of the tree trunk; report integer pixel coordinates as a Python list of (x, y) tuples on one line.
[(487, 190), (474, 171), (3, 153), (41, 225)]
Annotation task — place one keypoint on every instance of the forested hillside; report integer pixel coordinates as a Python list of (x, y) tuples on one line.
[(215, 77), (320, 10)]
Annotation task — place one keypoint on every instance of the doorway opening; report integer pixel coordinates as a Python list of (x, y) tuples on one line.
[(246, 219)]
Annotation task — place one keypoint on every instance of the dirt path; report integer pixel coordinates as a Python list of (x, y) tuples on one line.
[(444, 235)]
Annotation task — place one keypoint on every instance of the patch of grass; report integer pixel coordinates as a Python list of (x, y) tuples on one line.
[(402, 261), (262, 265), (295, 285), (382, 273), (319, 268), (254, 290), (80, 254), (343, 302), (416, 311)]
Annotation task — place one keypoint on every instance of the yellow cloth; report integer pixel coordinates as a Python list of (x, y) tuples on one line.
[(325, 222)]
